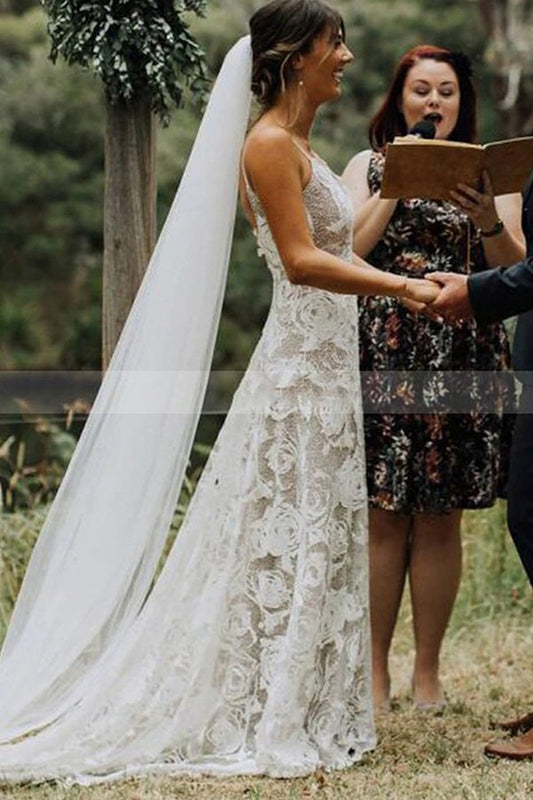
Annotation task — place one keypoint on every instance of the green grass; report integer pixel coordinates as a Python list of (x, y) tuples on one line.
[(419, 756), (494, 584), (486, 672), (494, 581), (18, 533)]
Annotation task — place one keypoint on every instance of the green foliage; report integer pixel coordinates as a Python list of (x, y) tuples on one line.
[(137, 47), (34, 453), (18, 534), (51, 162), (32, 460), (17, 6), (16, 40), (82, 345), (22, 325), (494, 581)]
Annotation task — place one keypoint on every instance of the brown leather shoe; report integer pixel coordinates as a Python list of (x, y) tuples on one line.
[(519, 749), (514, 726)]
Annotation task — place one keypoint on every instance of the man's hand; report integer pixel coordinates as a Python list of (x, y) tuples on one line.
[(453, 302)]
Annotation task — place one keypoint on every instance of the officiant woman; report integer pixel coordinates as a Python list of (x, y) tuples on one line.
[(424, 466)]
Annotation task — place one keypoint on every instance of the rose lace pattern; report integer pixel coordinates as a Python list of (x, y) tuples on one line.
[(251, 654)]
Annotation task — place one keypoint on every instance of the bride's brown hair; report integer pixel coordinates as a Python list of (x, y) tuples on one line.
[(280, 30)]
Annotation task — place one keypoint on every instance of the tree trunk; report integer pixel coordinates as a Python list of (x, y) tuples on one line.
[(509, 24), (129, 211)]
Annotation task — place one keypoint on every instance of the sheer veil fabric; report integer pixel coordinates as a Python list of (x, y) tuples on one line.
[(251, 653), (95, 559)]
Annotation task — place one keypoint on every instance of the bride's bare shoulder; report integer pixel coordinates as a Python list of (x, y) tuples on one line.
[(270, 159), (265, 140)]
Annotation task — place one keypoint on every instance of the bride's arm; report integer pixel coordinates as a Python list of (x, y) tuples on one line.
[(274, 167)]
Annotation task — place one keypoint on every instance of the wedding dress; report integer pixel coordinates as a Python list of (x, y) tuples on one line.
[(251, 653)]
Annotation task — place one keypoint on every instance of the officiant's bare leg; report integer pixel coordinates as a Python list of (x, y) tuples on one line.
[(389, 546), (434, 576)]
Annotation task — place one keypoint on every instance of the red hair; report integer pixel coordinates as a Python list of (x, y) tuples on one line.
[(389, 120)]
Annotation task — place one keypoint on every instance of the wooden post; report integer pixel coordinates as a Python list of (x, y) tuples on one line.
[(129, 211)]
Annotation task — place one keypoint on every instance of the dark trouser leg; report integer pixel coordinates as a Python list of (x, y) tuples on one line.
[(520, 490)]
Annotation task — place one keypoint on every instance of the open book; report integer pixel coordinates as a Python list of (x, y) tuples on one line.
[(430, 168)]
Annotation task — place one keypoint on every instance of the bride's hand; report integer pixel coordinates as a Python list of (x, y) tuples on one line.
[(421, 308), (416, 307), (421, 290), (412, 305)]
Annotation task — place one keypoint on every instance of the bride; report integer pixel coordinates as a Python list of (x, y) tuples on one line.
[(250, 653)]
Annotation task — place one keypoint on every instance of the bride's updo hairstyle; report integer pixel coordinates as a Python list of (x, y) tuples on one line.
[(280, 30)]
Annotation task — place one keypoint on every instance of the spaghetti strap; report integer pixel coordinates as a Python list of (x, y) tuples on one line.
[(244, 175), (305, 152), (251, 197), (247, 198), (302, 150)]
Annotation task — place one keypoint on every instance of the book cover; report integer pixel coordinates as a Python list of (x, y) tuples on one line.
[(431, 168)]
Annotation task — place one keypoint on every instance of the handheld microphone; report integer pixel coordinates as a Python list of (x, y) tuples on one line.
[(424, 129)]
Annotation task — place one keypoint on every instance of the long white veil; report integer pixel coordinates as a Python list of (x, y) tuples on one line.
[(95, 559)]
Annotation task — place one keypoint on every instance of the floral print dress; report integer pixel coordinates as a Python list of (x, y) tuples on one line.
[(437, 396)]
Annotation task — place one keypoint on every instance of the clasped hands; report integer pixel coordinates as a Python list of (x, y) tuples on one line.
[(442, 296)]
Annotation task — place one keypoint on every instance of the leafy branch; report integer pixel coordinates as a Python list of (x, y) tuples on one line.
[(138, 48)]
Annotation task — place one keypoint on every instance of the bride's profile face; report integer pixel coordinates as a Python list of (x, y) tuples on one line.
[(321, 69)]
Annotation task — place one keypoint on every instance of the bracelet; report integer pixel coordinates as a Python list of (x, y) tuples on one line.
[(402, 292), (495, 230)]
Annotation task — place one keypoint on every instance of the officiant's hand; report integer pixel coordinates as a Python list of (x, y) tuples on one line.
[(453, 302), (478, 205)]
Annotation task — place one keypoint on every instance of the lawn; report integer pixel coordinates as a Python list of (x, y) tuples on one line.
[(486, 670)]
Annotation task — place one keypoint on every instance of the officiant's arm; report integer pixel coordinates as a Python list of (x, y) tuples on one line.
[(372, 212), (278, 173), (503, 245)]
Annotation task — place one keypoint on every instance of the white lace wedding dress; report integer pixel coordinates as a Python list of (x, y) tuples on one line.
[(251, 655)]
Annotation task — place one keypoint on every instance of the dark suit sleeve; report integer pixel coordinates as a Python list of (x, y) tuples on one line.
[(500, 293)]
